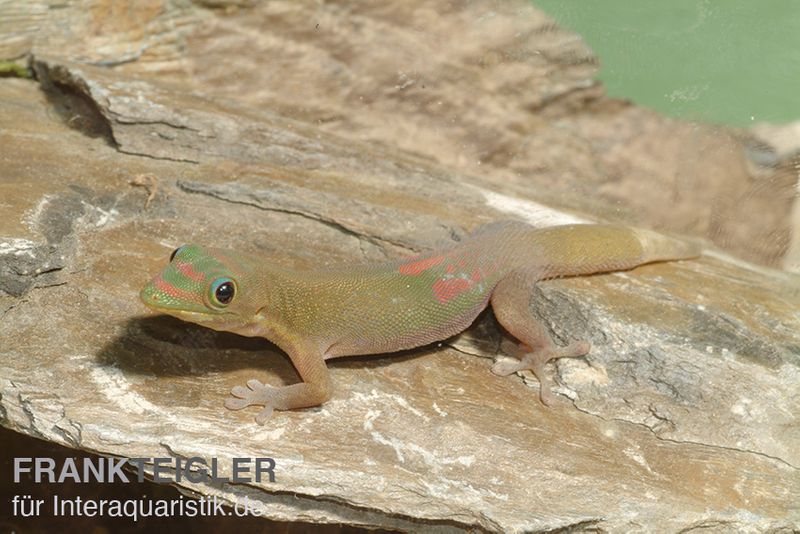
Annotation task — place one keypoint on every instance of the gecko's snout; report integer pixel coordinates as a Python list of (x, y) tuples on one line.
[(157, 294), (149, 296)]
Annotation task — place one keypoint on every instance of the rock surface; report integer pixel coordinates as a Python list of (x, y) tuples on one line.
[(276, 130)]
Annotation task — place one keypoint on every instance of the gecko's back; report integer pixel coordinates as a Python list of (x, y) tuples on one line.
[(412, 302)]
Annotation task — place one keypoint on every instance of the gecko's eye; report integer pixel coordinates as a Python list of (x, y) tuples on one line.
[(222, 291), (175, 252)]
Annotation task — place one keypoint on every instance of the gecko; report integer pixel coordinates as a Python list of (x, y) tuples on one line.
[(318, 314)]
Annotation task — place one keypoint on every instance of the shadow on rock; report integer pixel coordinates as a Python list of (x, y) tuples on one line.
[(165, 346)]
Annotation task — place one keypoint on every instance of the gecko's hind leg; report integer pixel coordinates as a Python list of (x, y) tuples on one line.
[(510, 302)]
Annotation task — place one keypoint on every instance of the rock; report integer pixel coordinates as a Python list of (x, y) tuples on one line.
[(130, 143), (777, 147)]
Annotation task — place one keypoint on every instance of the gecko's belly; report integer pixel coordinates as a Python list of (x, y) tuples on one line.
[(399, 328)]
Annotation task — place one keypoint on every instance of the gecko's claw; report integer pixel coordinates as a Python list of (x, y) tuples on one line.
[(255, 393)]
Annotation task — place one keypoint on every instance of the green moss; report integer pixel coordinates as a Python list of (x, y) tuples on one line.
[(9, 69)]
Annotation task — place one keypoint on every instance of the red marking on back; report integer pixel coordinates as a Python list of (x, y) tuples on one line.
[(448, 289), (168, 289), (418, 266), (450, 269), (188, 271), (476, 275)]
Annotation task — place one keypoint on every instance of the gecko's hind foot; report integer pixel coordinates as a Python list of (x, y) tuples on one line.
[(255, 394), (535, 360)]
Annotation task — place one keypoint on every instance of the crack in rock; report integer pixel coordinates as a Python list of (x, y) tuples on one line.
[(92, 109), (685, 442), (349, 216), (72, 98)]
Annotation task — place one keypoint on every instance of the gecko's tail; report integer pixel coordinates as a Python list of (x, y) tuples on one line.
[(660, 247), (578, 249)]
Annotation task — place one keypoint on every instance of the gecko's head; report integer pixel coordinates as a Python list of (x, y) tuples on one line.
[(205, 286)]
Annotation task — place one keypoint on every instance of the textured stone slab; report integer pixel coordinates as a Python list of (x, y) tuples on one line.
[(683, 416)]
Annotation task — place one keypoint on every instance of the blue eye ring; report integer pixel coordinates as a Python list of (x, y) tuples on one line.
[(222, 291)]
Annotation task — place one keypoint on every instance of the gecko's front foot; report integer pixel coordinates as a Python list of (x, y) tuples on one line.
[(300, 395), (534, 360), (255, 394)]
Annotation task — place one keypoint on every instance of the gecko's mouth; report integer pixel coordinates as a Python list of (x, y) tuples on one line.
[(159, 301), (189, 316), (215, 321)]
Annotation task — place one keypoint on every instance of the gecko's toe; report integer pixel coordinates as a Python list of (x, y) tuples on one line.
[(236, 404), (254, 384), (506, 367), (263, 415), (576, 349), (241, 392), (545, 395)]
